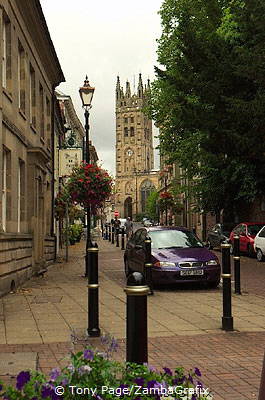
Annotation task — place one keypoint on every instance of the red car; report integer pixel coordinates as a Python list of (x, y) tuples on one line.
[(246, 232)]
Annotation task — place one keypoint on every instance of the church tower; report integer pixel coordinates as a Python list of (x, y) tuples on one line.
[(135, 177)]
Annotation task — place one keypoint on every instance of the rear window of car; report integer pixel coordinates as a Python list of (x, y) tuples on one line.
[(254, 229), (174, 239)]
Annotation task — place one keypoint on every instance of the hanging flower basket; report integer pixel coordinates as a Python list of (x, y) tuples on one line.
[(89, 185), (60, 202), (165, 200)]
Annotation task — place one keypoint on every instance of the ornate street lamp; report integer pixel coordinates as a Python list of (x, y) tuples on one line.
[(86, 93)]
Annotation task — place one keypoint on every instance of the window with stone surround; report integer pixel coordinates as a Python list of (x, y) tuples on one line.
[(6, 54), (41, 111), (32, 95), (6, 188), (21, 206), (21, 78)]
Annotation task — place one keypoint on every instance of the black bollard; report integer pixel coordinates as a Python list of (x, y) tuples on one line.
[(117, 238), (236, 257), (93, 310), (227, 319), (109, 232), (136, 326), (122, 238), (112, 235), (148, 264)]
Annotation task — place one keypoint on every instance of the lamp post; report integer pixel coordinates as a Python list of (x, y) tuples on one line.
[(86, 93)]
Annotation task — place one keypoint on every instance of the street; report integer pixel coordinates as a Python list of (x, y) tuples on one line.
[(184, 324)]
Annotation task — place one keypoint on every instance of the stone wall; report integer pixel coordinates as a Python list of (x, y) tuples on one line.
[(15, 261)]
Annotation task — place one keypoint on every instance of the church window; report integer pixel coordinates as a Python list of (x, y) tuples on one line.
[(126, 131), (131, 131), (132, 120), (125, 120)]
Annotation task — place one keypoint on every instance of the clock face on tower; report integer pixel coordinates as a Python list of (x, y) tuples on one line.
[(129, 152)]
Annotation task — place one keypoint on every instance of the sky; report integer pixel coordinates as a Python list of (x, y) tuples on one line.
[(103, 39)]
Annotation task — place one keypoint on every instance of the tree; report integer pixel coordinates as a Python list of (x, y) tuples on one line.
[(151, 206), (209, 95)]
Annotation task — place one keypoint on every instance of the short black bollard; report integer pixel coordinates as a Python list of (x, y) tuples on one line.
[(136, 326), (109, 232), (122, 238), (148, 264), (93, 310), (112, 235), (117, 238), (237, 265), (227, 319)]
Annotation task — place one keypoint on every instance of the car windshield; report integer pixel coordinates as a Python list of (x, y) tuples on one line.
[(254, 229), (171, 238)]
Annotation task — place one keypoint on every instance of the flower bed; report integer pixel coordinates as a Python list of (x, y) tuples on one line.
[(93, 375)]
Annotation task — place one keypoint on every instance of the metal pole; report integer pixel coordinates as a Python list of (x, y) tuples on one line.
[(67, 233), (88, 236), (227, 319), (112, 235), (117, 238), (109, 232), (136, 326), (148, 264), (93, 309), (237, 264), (122, 238)]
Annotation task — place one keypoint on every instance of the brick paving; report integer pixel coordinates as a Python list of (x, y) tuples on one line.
[(230, 363)]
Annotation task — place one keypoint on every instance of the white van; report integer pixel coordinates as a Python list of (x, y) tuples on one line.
[(259, 244)]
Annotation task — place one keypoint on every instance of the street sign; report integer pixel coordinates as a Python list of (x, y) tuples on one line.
[(116, 213)]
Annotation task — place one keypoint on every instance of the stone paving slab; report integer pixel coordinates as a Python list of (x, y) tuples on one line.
[(13, 363)]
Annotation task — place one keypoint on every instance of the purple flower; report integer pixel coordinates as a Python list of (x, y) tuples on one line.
[(105, 339), (1, 388), (71, 368), (151, 384), (88, 354), (54, 374), (114, 345), (139, 381), (197, 372), (122, 386), (190, 378), (194, 396), (84, 369), (167, 371), (22, 378), (150, 367), (199, 384), (64, 382), (48, 391)]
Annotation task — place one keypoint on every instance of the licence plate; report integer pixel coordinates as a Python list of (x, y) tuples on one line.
[(191, 272)]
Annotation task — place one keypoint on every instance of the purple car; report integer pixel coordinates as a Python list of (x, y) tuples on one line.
[(177, 256)]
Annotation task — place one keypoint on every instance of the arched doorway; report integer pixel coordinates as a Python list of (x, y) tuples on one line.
[(128, 207)]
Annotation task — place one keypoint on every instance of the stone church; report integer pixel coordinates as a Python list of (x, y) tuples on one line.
[(135, 174)]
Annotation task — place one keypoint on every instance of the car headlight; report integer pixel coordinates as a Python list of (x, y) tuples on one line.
[(211, 262), (164, 264)]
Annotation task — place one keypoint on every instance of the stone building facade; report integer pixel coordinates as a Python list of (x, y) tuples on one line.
[(29, 73), (135, 175)]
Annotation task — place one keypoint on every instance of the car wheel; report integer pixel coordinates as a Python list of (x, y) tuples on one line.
[(214, 284), (208, 245), (127, 269), (260, 256)]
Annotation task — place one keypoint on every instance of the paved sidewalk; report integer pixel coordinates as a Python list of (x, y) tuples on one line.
[(184, 325)]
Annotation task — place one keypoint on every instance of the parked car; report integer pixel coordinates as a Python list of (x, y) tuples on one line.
[(177, 256), (247, 232), (219, 234), (259, 244), (147, 222)]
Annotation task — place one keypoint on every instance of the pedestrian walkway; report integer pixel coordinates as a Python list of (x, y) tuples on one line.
[(47, 317)]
